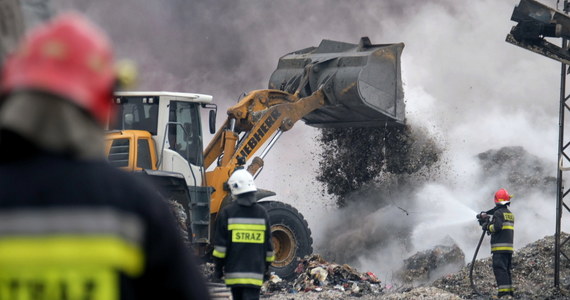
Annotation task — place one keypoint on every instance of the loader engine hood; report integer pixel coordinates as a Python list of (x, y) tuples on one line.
[(362, 82)]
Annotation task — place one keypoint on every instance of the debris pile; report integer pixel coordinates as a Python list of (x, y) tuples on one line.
[(180, 217), (516, 168), (533, 278), (428, 265), (532, 270), (422, 293), (207, 269), (315, 274)]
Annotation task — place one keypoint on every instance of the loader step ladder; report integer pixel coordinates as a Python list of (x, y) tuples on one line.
[(200, 213)]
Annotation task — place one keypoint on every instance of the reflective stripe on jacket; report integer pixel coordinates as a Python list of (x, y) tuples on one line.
[(502, 230), (243, 240), (85, 230)]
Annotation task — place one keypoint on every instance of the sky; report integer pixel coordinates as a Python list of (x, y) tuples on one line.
[(464, 84)]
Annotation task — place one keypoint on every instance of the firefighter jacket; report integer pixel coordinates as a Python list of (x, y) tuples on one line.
[(243, 243), (502, 229), (73, 229)]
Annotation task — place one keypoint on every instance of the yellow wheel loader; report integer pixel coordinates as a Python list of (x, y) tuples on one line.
[(159, 134)]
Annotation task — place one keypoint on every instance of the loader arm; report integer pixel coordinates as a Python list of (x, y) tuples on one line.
[(257, 117), (336, 84)]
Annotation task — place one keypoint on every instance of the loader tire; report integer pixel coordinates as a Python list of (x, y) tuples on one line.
[(291, 237)]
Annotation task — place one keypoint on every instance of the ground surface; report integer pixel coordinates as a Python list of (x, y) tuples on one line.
[(533, 278)]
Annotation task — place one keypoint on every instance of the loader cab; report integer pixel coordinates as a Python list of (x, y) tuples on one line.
[(172, 121), (137, 113)]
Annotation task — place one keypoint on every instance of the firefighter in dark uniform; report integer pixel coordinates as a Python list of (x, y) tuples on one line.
[(72, 226), (501, 228), (243, 248)]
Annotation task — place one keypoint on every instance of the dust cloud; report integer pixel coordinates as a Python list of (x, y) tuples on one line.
[(467, 88)]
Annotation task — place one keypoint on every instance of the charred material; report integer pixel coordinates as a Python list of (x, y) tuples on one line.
[(316, 274), (517, 168), (352, 157), (428, 265), (532, 274), (181, 219)]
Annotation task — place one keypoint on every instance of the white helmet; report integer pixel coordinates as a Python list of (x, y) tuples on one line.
[(241, 182)]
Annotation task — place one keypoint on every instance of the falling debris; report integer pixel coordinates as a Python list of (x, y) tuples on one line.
[(353, 157)]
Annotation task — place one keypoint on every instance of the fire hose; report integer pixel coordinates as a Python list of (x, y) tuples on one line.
[(483, 218), (473, 264)]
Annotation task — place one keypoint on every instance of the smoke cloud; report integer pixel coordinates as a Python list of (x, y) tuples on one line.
[(464, 85)]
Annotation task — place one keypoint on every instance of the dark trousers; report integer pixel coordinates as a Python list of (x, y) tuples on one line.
[(245, 293), (502, 270)]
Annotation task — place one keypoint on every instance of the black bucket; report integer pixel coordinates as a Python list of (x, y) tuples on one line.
[(362, 82)]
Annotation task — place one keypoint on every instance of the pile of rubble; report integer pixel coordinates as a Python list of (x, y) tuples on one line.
[(319, 279), (315, 274), (180, 217), (428, 265), (518, 169), (532, 269), (533, 278)]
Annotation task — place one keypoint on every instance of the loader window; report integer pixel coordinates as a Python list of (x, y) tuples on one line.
[(143, 154), (119, 153), (184, 131), (137, 113)]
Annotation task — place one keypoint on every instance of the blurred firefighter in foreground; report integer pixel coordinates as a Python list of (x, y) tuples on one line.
[(72, 226), (500, 223), (243, 248)]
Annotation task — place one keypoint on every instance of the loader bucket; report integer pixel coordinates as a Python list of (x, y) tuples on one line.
[(362, 82)]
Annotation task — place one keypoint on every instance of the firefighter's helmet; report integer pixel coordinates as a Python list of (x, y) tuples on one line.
[(502, 197), (69, 57), (241, 182)]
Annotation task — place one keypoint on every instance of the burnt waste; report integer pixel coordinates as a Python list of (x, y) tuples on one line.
[(353, 157)]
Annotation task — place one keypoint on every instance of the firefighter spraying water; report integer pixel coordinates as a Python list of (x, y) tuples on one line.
[(499, 223)]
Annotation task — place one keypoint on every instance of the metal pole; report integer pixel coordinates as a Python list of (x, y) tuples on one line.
[(559, 179), (268, 148), (271, 143)]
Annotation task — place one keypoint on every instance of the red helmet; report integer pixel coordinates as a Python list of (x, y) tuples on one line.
[(502, 197), (69, 57)]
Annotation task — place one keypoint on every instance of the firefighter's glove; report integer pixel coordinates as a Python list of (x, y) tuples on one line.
[(483, 218), (486, 226), (267, 273), (218, 271)]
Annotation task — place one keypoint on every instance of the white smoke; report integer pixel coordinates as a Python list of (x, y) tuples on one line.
[(464, 84), (473, 92)]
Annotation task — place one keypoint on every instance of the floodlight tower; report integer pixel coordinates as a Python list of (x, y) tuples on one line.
[(535, 21)]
